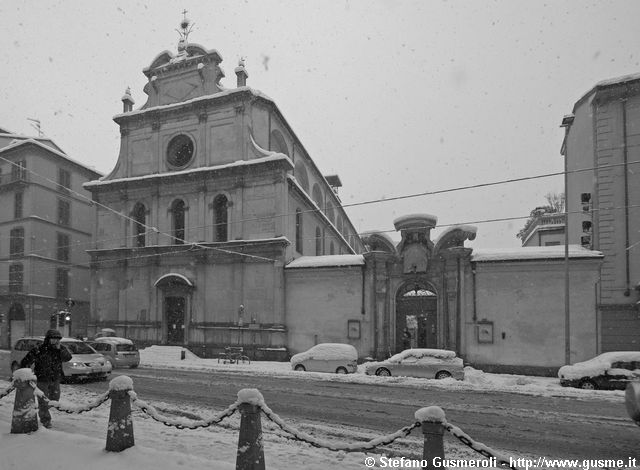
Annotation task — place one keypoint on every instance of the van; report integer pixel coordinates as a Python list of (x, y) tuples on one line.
[(120, 352)]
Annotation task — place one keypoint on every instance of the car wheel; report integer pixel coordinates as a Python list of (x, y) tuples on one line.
[(341, 370), (443, 374), (383, 372), (587, 385), (299, 368), (14, 366), (133, 366)]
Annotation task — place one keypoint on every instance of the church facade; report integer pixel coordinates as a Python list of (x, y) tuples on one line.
[(216, 229)]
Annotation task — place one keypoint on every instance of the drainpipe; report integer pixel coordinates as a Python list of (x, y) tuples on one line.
[(625, 167), (473, 292), (375, 306)]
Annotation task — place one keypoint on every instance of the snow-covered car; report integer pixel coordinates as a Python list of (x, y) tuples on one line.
[(120, 352), (426, 363), (611, 370), (327, 357), (85, 361)]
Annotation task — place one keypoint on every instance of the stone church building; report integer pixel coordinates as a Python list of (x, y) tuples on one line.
[(216, 228)]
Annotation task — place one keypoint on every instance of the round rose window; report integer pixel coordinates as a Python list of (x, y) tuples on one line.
[(180, 151)]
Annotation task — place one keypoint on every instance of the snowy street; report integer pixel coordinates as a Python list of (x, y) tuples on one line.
[(516, 415)]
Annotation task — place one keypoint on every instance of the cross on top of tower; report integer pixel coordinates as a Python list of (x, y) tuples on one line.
[(185, 28)]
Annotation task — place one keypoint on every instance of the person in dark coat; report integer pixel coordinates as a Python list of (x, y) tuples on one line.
[(47, 360), (406, 339)]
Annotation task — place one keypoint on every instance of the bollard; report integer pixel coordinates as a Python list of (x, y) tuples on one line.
[(632, 400), (25, 412), (432, 421), (120, 429), (183, 354), (250, 454)]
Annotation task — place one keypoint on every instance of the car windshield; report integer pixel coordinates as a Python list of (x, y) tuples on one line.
[(78, 347)]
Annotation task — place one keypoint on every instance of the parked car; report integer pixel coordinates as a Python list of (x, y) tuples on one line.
[(427, 363), (120, 352), (85, 361), (611, 370), (327, 357), (105, 333)]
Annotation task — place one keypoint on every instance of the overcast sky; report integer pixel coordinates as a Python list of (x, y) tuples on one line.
[(396, 97)]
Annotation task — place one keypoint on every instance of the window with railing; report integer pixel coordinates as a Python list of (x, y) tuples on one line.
[(63, 247), (64, 212), (19, 170), (16, 242), (17, 205), (16, 277), (62, 283), (64, 180)]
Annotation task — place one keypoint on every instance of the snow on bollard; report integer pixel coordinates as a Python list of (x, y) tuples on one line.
[(632, 400), (25, 412), (432, 419), (120, 429), (250, 454)]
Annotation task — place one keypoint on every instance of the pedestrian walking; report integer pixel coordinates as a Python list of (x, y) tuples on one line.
[(47, 362), (406, 339)]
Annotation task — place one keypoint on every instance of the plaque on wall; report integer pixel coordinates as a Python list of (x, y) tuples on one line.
[(485, 331), (353, 329)]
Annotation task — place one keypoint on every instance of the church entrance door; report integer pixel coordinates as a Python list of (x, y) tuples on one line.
[(174, 308), (416, 318)]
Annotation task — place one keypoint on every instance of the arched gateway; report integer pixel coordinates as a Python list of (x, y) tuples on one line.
[(176, 294), (417, 316)]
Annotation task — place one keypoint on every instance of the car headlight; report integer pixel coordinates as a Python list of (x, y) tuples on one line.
[(77, 365)]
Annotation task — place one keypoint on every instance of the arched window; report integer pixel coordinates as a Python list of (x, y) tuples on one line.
[(278, 143), (330, 212), (317, 196), (299, 231), (177, 213), (220, 214), (302, 178), (140, 223), (332, 250), (318, 241)]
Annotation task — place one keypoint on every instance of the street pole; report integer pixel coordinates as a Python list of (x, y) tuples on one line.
[(566, 123)]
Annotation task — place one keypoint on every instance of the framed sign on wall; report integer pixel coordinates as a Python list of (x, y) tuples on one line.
[(353, 329)]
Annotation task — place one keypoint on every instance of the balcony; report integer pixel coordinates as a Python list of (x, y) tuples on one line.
[(544, 222), (15, 177)]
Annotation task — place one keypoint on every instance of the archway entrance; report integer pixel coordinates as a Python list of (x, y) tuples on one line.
[(176, 292), (416, 317)]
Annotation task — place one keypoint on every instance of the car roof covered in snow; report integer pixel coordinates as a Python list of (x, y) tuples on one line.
[(597, 365), (422, 352)]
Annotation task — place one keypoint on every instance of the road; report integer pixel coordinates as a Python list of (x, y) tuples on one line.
[(557, 427)]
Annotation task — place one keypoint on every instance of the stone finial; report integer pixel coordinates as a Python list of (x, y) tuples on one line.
[(127, 101), (241, 73)]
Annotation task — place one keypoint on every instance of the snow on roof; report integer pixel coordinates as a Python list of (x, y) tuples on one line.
[(608, 82), (327, 352), (531, 253), (184, 278), (422, 352), (598, 365), (326, 261), (226, 92), (37, 142), (238, 163)]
